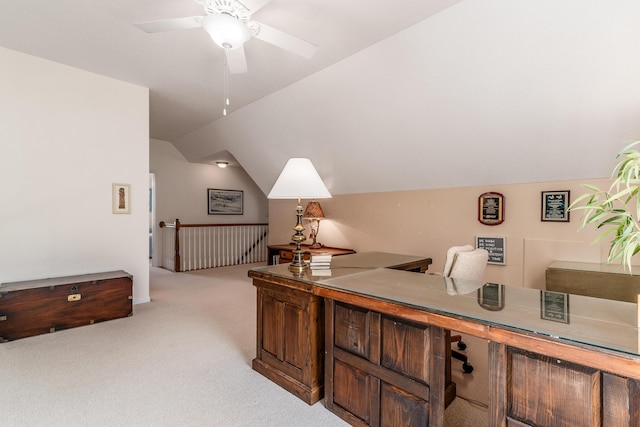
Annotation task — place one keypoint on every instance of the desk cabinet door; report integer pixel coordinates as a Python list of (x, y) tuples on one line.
[(289, 345), (536, 390)]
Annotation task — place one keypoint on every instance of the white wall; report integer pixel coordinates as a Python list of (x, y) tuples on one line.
[(66, 136), (181, 191)]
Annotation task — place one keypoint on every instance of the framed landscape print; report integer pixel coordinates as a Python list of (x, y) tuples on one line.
[(555, 205), (225, 202)]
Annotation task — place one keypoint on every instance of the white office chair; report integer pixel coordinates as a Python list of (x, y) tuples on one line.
[(468, 265)]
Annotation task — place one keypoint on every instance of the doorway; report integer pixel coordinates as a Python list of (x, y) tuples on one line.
[(152, 191)]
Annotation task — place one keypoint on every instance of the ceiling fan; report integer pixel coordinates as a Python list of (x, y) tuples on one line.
[(229, 24)]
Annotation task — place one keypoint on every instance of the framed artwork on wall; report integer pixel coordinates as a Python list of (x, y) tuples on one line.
[(225, 202), (491, 208), (555, 205), (121, 198)]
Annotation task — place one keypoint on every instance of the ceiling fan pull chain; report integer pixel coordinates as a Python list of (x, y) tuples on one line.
[(226, 85)]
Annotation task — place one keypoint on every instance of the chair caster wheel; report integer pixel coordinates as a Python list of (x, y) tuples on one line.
[(467, 368), (461, 345)]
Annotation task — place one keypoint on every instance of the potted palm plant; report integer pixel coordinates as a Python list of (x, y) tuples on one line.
[(616, 210)]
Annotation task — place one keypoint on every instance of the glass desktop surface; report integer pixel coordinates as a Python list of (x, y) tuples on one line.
[(597, 322), (343, 265)]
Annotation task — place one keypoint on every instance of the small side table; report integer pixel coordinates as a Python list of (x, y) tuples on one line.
[(282, 254)]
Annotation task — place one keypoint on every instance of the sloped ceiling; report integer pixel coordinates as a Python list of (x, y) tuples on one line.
[(486, 92), (401, 95)]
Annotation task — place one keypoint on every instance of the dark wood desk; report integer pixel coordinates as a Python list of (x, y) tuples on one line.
[(581, 371), (584, 371), (290, 318), (282, 254)]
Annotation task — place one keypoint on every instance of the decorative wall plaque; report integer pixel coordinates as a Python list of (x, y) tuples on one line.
[(555, 206), (491, 208)]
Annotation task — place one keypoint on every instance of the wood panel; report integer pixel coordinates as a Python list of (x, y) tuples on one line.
[(287, 349), (382, 370), (551, 392), (621, 401), (399, 408), (405, 347), (529, 389)]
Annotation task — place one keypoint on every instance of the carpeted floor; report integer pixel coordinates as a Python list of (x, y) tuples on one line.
[(182, 360)]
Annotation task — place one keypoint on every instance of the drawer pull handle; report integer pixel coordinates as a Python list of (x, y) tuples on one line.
[(74, 297)]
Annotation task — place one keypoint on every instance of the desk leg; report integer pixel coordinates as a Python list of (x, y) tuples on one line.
[(329, 308), (437, 371), (497, 385)]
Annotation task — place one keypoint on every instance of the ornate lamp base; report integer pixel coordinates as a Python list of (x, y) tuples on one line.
[(298, 265)]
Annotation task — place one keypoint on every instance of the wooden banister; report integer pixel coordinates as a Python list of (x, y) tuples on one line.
[(177, 225)]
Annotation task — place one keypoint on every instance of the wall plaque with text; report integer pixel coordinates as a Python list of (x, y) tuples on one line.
[(491, 208), (496, 246)]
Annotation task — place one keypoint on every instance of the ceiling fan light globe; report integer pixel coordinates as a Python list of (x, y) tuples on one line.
[(226, 31)]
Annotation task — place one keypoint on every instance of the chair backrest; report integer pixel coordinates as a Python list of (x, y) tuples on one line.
[(469, 265), (451, 256)]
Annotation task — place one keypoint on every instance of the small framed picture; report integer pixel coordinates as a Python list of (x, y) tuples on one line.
[(491, 208), (224, 202), (121, 198), (554, 306), (555, 205)]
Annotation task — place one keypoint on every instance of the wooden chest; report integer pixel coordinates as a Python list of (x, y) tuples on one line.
[(41, 306)]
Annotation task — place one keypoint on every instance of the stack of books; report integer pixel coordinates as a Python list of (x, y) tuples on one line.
[(320, 265)]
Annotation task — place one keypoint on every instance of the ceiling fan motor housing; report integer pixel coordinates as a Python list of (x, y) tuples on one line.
[(226, 31), (228, 7)]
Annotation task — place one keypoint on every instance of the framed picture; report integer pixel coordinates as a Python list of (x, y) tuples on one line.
[(554, 206), (491, 208), (496, 246), (121, 198), (225, 202), (554, 306)]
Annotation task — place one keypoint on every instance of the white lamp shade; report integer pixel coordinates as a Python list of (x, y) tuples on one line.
[(226, 31), (299, 180)]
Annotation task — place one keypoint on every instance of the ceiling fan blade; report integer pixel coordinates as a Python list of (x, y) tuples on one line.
[(286, 41), (170, 24), (254, 5), (236, 60)]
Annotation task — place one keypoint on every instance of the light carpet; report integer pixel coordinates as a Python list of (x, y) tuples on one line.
[(182, 360)]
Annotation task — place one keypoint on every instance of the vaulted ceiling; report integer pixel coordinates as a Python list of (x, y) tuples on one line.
[(184, 68), (399, 95)]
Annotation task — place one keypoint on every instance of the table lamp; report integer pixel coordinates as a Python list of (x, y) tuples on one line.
[(313, 212), (299, 180)]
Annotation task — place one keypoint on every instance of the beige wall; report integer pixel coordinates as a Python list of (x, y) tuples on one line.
[(428, 222)]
